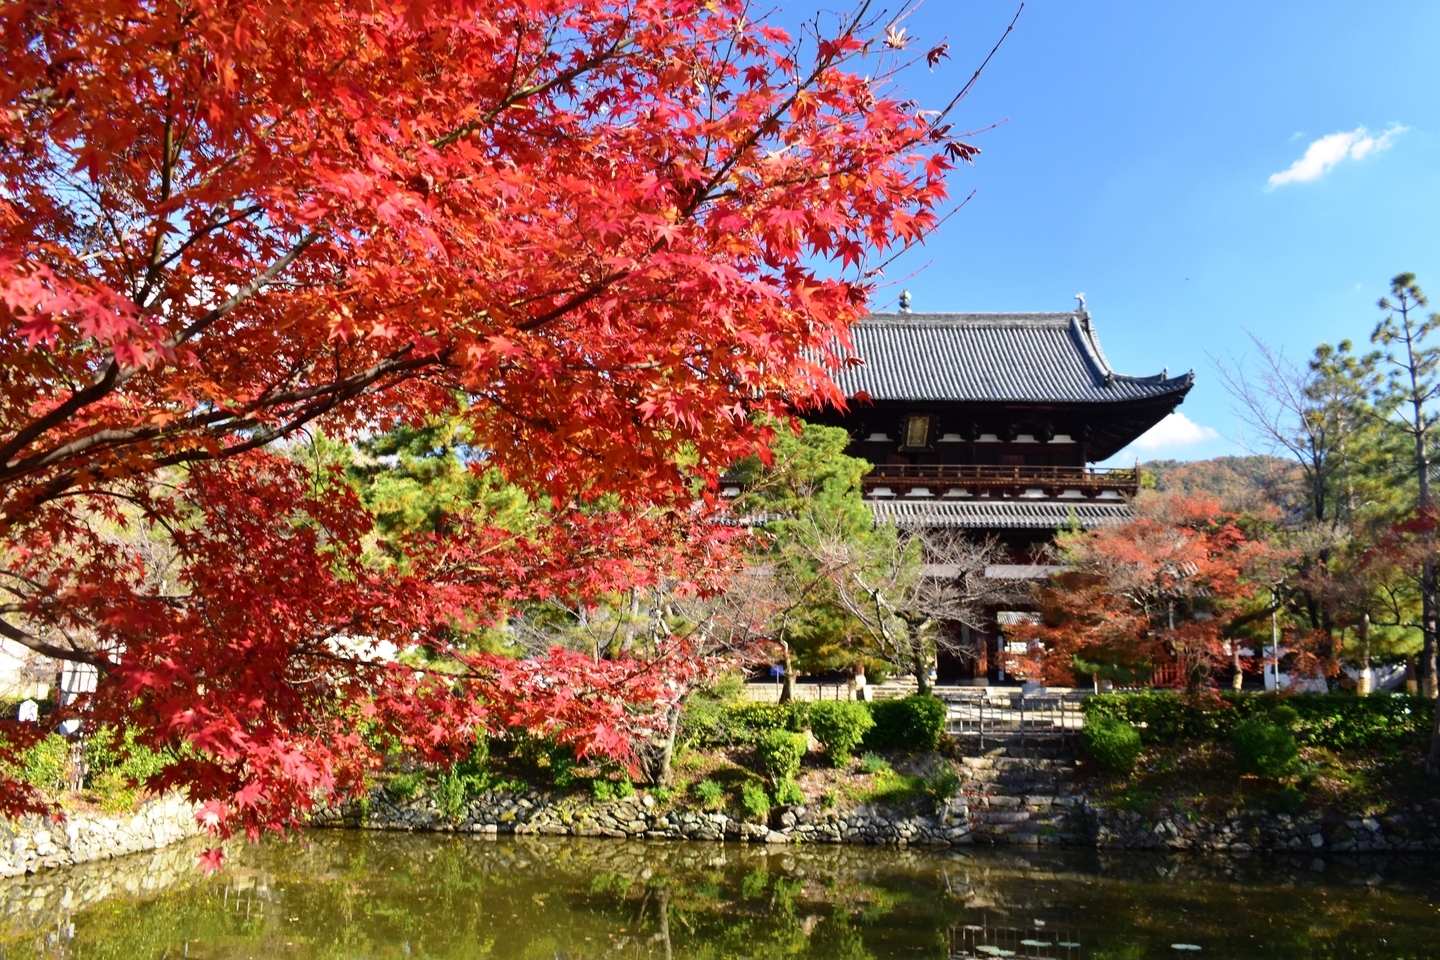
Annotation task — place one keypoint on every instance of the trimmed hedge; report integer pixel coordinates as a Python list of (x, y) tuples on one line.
[(910, 723), (840, 725), (1114, 744), (1335, 721), (916, 722), (712, 724)]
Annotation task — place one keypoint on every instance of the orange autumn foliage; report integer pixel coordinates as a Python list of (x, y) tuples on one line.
[(1170, 586)]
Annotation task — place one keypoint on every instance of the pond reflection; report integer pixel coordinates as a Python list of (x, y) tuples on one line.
[(368, 895)]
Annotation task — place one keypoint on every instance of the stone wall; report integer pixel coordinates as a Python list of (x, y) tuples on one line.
[(35, 843), (640, 817), (1003, 800), (1413, 831)]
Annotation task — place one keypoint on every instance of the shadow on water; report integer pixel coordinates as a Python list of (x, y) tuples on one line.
[(357, 895)]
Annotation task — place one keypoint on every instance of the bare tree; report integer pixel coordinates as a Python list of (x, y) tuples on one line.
[(730, 627), (906, 587)]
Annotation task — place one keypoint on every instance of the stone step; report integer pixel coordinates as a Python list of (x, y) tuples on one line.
[(1013, 775), (1016, 784), (994, 829), (1017, 789), (1033, 763), (990, 818)]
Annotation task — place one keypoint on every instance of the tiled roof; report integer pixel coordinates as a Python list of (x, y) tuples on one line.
[(991, 357), (997, 514)]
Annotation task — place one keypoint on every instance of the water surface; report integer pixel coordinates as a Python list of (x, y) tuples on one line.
[(348, 894)]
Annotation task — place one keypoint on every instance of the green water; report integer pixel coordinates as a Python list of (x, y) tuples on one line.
[(368, 895)]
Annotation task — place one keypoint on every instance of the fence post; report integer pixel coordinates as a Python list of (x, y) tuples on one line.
[(1023, 752), (982, 723)]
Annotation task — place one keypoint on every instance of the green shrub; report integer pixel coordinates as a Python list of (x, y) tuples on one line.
[(943, 784), (605, 790), (543, 759), (840, 725), (403, 786), (708, 792), (1114, 744), (911, 723), (754, 799), (453, 790), (873, 763), (779, 753), (118, 767), (702, 721), (789, 792), (108, 751), (1330, 720), (1159, 717), (46, 765), (1286, 716), (1264, 749), (707, 723)]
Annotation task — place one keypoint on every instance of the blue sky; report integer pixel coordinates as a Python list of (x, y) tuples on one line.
[(1135, 164)]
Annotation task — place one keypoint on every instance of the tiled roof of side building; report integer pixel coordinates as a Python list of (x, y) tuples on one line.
[(1054, 357), (997, 514)]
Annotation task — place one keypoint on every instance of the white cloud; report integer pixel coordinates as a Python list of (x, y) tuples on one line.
[(1176, 430), (1323, 154)]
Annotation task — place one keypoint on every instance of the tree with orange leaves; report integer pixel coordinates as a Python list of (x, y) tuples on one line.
[(610, 235), (1176, 584)]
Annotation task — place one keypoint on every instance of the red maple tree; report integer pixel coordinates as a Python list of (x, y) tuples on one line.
[(609, 233), (1172, 585)]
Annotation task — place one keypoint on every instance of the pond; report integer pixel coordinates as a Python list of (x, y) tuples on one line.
[(344, 894)]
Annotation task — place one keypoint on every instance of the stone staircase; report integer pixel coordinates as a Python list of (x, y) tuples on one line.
[(1030, 799)]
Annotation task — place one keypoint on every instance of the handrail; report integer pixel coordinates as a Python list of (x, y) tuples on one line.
[(981, 471)]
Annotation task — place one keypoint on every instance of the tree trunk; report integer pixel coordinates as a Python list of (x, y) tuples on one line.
[(661, 769), (665, 921), (1364, 686), (922, 669), (1428, 605), (1432, 762), (1430, 610), (1197, 678), (787, 679)]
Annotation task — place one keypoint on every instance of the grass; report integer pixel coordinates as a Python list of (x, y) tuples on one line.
[(872, 779), (886, 786)]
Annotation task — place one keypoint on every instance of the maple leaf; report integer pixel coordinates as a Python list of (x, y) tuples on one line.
[(211, 861), (212, 815)]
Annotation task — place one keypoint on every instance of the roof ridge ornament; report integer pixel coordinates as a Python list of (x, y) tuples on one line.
[(904, 301), (1081, 309)]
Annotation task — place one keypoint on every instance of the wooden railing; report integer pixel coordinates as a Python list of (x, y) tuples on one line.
[(979, 478)]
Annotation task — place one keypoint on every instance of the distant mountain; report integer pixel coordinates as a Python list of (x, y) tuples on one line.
[(1240, 483)]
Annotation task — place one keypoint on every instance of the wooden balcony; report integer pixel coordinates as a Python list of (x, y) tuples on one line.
[(952, 480)]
